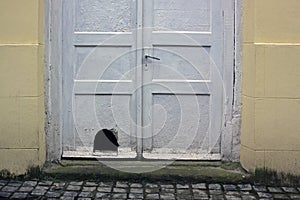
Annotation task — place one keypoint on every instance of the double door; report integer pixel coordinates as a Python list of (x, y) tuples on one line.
[(150, 70)]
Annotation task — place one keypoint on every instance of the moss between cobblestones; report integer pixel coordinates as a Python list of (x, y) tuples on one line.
[(217, 172)]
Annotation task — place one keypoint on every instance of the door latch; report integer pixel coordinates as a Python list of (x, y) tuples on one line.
[(146, 61), (152, 57)]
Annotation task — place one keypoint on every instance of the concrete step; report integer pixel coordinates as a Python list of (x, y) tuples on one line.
[(108, 170)]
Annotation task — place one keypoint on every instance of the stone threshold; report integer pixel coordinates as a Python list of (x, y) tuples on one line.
[(153, 170)]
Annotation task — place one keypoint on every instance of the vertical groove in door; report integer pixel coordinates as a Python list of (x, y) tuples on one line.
[(139, 78)]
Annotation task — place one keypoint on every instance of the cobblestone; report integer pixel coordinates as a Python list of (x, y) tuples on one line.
[(152, 190), (86, 194), (108, 184), (9, 189), (26, 189), (136, 190), (260, 188), (214, 186), (57, 186), (274, 189), (167, 186), (37, 192), (73, 188), (70, 194), (141, 190), (167, 196), (264, 195), (280, 196), (42, 187), (289, 189), (152, 196), (215, 192), (91, 184), (229, 187), (104, 189), (15, 183), (248, 197), (149, 185), (199, 194), (19, 195), (295, 196), (88, 189), (167, 190), (245, 187), (183, 192), (45, 183), (119, 196), (179, 186), (119, 190), (235, 194), (67, 198), (201, 186), (4, 194), (102, 195), (77, 183), (30, 183), (121, 184), (135, 196), (53, 194), (232, 197), (136, 185), (3, 182)]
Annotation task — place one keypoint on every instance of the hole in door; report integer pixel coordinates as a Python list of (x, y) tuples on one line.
[(106, 141)]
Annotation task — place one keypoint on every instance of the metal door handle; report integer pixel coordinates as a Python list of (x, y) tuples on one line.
[(152, 57)]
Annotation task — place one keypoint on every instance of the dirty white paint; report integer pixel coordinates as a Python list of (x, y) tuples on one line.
[(236, 119), (53, 79), (183, 92), (115, 16), (99, 82), (201, 21), (178, 15)]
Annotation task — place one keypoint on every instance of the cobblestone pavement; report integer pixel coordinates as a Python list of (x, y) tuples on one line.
[(134, 190)]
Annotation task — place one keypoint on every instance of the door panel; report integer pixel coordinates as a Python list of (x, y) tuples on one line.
[(183, 62), (103, 15), (179, 15), (178, 126), (183, 91), (119, 66), (99, 82)]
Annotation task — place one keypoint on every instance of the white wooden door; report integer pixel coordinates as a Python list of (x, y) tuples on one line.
[(153, 70), (99, 76), (183, 91)]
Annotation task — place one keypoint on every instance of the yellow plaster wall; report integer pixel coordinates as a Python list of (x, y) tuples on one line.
[(271, 85), (22, 135)]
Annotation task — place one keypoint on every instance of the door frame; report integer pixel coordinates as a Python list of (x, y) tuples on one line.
[(230, 137)]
